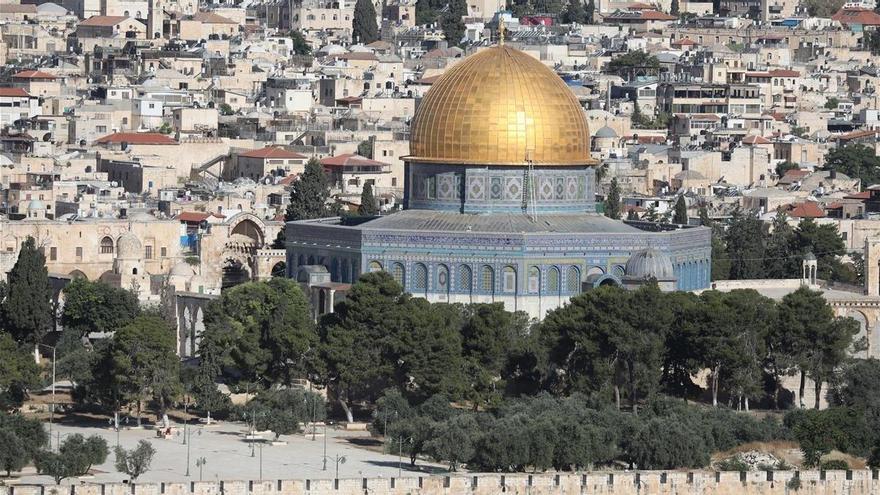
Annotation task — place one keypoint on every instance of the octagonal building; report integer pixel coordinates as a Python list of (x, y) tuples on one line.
[(499, 204)]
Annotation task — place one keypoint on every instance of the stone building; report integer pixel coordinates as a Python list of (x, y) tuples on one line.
[(499, 203)]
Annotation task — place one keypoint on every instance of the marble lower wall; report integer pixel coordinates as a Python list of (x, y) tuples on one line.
[(861, 482)]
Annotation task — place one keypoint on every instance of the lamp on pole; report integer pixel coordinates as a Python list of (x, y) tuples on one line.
[(200, 462), (339, 459), (52, 409), (261, 461), (185, 417), (188, 446), (324, 467)]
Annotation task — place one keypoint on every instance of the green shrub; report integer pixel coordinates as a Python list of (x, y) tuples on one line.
[(732, 464), (835, 464)]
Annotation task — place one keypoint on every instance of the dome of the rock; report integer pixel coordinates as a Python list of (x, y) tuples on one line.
[(500, 106)]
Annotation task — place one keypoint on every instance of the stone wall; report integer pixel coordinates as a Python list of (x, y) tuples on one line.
[(618, 483)]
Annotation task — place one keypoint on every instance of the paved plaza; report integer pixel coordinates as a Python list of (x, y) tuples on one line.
[(229, 457)]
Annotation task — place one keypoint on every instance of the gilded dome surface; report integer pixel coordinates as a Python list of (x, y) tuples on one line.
[(500, 106)]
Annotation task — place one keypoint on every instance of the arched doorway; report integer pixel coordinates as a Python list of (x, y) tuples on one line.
[(234, 272), (280, 269)]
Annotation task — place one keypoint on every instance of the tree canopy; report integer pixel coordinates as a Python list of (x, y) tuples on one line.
[(97, 307), (263, 331), (27, 309), (364, 27), (612, 201), (309, 193), (857, 161)]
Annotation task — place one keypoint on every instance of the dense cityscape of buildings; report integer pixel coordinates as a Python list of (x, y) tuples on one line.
[(154, 143)]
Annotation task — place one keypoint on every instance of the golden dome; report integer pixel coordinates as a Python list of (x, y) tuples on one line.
[(500, 106)]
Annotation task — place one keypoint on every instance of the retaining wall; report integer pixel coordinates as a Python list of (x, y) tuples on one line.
[(862, 482)]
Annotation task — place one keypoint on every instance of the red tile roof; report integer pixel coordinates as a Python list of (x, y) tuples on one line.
[(754, 139), (685, 41), (33, 74), (288, 180), (854, 15), (136, 138), (785, 73), (807, 209), (13, 92), (193, 216), (103, 20), (856, 135), (859, 195), (348, 160), (271, 152)]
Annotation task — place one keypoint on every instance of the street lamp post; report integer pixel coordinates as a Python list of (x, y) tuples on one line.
[(314, 416), (52, 409), (188, 446), (324, 467), (339, 459), (185, 418), (200, 462), (187, 452), (261, 461)]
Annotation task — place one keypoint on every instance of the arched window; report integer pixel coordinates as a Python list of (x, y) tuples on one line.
[(573, 280), (375, 266), (106, 245), (398, 272), (420, 278), (465, 279), (534, 280), (553, 280), (443, 279), (134, 271), (487, 279), (508, 279)]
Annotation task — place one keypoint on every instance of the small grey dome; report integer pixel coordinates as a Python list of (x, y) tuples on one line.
[(649, 263), (606, 132), (36, 205), (810, 256), (128, 246)]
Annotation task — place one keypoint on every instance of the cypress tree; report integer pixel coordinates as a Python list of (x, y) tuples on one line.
[(673, 9), (453, 29), (364, 29), (591, 12), (28, 306), (681, 212), (309, 193), (574, 13), (612, 201), (368, 206)]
